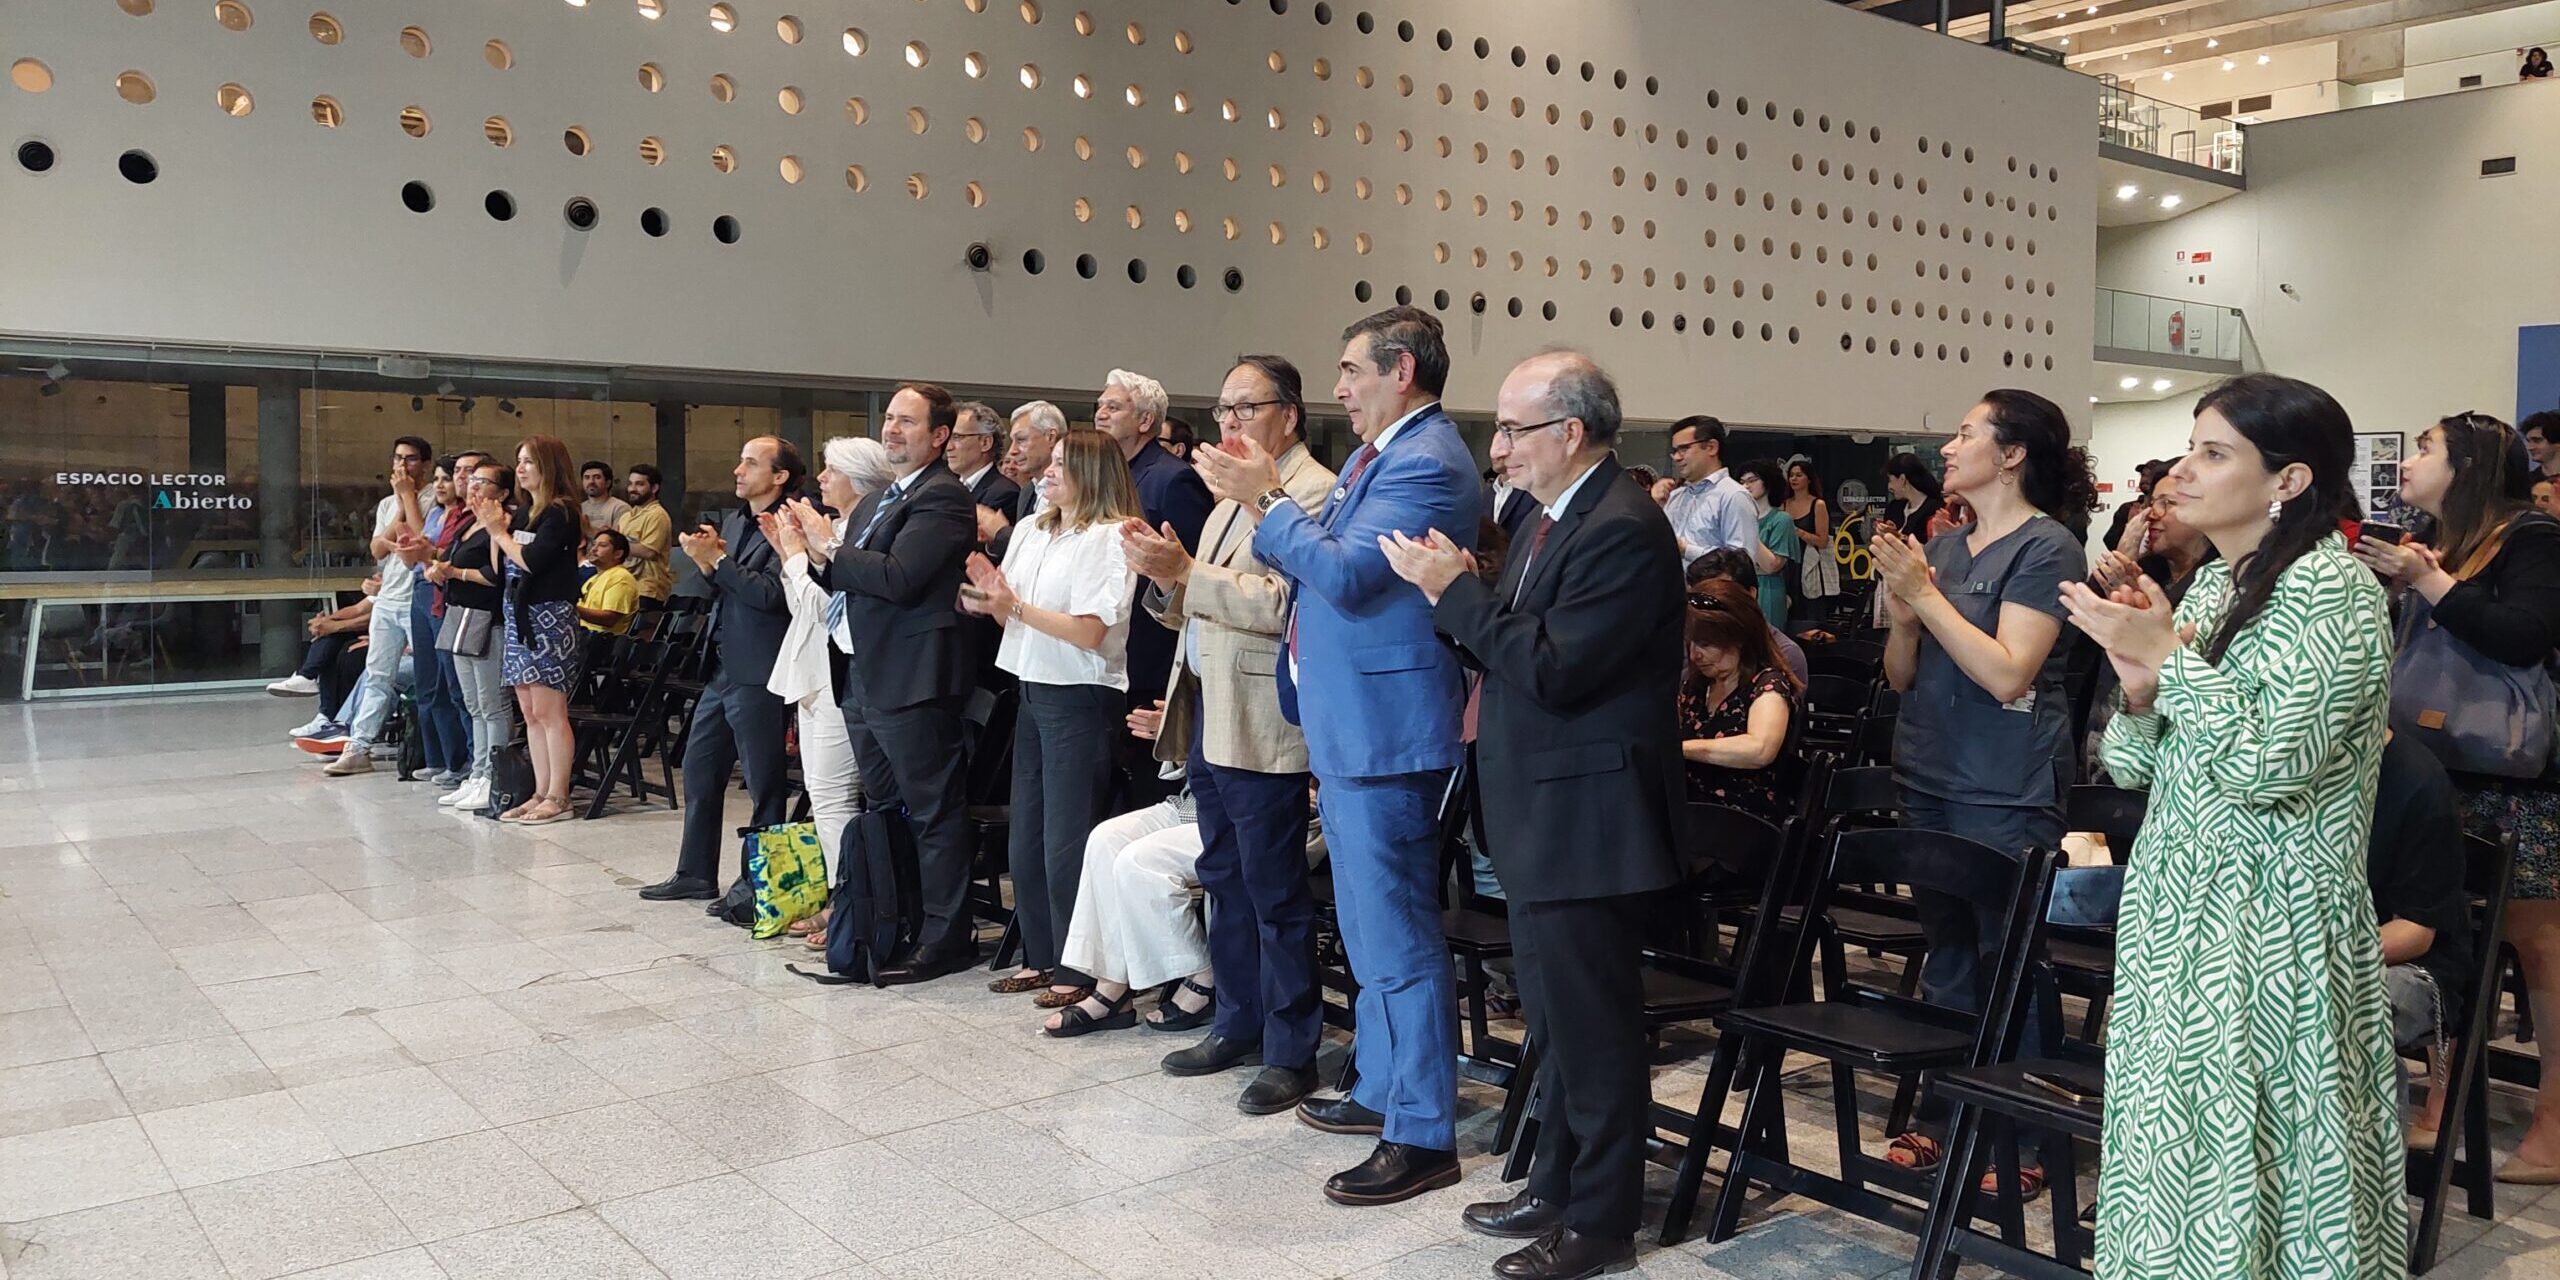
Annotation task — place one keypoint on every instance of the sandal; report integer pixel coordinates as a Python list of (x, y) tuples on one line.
[(517, 814), (1014, 984), (1914, 1150), (547, 810), (2030, 1182), (810, 924), (1177, 1018), (1056, 999), (1118, 1014)]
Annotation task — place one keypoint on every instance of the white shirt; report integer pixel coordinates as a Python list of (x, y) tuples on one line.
[(1380, 444), (970, 481), (397, 574), (1555, 509), (1082, 571)]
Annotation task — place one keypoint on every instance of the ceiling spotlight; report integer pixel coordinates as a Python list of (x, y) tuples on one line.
[(2228, 64), (2213, 44), (2169, 48), (2093, 9), (2168, 75), (2066, 42), (2172, 200), (2093, 399), (2129, 383), (2127, 191), (57, 371), (2263, 59), (2159, 384), (467, 403), (505, 405)]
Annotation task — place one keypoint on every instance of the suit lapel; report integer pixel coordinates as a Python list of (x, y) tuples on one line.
[(1594, 487)]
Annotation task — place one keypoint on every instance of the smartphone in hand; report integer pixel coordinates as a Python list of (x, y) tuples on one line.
[(2381, 531)]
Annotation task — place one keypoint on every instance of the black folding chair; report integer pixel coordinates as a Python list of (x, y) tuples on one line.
[(2488, 867), (2084, 958), (1861, 1028), (613, 736)]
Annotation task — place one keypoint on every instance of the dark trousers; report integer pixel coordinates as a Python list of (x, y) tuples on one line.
[(732, 724), (1061, 778), (1582, 987), (1262, 915), (1139, 775), (913, 758), (317, 655), (444, 734), (342, 669), (1955, 973)]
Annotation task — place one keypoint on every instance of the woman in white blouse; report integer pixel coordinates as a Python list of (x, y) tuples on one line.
[(803, 672), (1064, 597)]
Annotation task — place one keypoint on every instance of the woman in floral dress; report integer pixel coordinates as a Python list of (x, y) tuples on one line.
[(2252, 1112)]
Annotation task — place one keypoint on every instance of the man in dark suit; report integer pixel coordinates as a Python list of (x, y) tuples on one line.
[(1131, 411), (1512, 508), (737, 719), (1037, 427), (1579, 750), (899, 567), (976, 439)]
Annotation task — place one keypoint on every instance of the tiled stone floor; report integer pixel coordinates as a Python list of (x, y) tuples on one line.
[(255, 1022)]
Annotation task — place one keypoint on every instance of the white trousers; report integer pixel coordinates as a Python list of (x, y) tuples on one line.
[(1134, 923), (826, 765)]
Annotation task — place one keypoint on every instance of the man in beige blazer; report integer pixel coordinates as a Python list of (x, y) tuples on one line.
[(1247, 765)]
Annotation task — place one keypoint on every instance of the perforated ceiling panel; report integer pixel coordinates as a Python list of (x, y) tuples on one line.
[(1781, 212)]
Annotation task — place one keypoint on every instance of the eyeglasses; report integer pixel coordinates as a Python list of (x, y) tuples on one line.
[(1511, 435), (1678, 449), (1242, 411)]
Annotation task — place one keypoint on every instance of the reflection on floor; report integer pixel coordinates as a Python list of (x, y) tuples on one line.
[(256, 1022)]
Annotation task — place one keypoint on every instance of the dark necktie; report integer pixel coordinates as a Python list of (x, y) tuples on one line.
[(1537, 543)]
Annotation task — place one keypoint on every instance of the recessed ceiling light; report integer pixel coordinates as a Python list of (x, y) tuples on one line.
[(2093, 399), (2129, 383), (2168, 75), (2228, 64), (2159, 384), (2093, 8), (2127, 191), (2066, 42), (2171, 201), (2264, 59), (2213, 44)]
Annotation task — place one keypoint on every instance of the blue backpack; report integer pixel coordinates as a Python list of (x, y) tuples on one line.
[(876, 911)]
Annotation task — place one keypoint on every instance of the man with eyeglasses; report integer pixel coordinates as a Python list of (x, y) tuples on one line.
[(1131, 410), (1579, 770), (1245, 762), (1707, 506), (1363, 671), (387, 640), (972, 457)]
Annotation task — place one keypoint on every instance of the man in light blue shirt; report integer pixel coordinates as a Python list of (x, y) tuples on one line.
[(1707, 506)]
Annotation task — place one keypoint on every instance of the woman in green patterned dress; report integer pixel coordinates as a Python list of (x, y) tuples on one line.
[(2252, 1121)]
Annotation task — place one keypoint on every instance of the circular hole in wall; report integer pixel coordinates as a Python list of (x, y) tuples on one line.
[(417, 196), (1086, 266), (725, 229), (653, 222), (233, 100), (233, 15), (138, 8), (30, 75), (35, 156), (577, 140), (414, 121), (918, 54), (724, 158), (500, 205), (723, 19), (325, 112), (499, 56), (916, 186), (325, 29), (791, 169), (651, 78), (856, 179), (1137, 271), (1233, 280), (653, 152), (497, 131), (414, 42), (132, 86), (787, 29), (580, 213), (790, 100), (1033, 261)]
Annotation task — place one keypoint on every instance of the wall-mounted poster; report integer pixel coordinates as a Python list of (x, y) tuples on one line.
[(2376, 475)]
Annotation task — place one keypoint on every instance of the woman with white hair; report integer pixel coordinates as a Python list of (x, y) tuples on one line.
[(802, 671)]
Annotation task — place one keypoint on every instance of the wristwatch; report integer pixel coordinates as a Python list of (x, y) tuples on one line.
[(1269, 498)]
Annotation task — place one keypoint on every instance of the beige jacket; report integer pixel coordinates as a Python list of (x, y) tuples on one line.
[(1242, 607)]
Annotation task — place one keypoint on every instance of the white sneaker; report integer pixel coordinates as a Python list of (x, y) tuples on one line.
[(350, 762), (472, 794), (317, 724), (296, 685)]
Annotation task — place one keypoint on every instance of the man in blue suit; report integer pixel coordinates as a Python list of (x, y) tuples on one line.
[(1380, 697)]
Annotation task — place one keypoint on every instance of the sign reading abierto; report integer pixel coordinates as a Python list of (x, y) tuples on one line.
[(176, 491)]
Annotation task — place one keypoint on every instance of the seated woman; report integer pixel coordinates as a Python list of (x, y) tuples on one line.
[(1736, 704)]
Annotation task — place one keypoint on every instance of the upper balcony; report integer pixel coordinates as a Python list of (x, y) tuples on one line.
[(2149, 347), (2157, 160)]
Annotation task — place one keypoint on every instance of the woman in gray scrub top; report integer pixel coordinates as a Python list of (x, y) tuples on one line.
[(1982, 748)]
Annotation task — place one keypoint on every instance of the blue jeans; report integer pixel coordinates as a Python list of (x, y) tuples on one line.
[(442, 731)]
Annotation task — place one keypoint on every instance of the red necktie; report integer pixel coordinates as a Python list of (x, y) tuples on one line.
[(1360, 460), (1537, 543)]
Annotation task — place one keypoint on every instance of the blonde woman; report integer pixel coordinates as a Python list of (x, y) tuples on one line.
[(1064, 597), (803, 674)]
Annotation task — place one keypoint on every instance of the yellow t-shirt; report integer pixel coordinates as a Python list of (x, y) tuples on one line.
[(613, 590), (649, 526)]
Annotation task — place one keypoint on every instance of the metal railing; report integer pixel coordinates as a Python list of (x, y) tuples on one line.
[(2165, 129), (2172, 327)]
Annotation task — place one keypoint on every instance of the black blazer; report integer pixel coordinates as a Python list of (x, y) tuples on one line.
[(1023, 508), (994, 490), (902, 592), (1169, 492), (1578, 734), (1517, 510), (746, 590)]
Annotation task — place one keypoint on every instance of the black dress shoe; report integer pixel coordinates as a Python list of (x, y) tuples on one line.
[(1522, 1217), (923, 965), (675, 887), (1214, 1053), (1340, 1115), (1276, 1089), (1393, 1173), (1567, 1254)]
